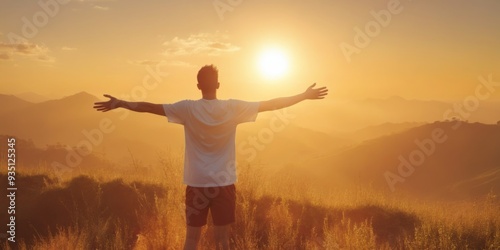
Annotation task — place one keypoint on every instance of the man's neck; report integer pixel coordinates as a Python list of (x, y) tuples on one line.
[(210, 96)]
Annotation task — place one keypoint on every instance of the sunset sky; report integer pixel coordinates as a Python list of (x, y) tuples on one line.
[(426, 50)]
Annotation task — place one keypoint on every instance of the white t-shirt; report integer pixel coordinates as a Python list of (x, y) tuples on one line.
[(210, 129)]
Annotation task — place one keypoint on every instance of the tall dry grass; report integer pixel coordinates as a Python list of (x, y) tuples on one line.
[(139, 207)]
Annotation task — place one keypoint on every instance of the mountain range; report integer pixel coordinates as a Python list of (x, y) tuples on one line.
[(440, 159), (375, 151)]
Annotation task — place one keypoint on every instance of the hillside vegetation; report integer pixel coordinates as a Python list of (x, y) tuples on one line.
[(142, 208)]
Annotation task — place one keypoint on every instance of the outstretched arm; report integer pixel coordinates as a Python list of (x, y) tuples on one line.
[(310, 94), (114, 103)]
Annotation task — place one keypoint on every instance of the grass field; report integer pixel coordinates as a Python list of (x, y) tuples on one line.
[(135, 207)]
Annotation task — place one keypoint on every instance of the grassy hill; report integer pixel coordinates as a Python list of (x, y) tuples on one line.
[(144, 210)]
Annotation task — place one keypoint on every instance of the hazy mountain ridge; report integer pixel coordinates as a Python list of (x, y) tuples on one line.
[(348, 116), (465, 155), (51, 121), (32, 97), (53, 158), (10, 103), (465, 164), (72, 120), (372, 132)]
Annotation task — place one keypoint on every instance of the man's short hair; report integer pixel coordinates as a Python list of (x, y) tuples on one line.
[(208, 77)]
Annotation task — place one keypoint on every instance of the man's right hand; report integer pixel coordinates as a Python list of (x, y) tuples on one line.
[(311, 93), (111, 104)]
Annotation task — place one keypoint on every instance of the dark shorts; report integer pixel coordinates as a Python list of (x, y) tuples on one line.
[(221, 201)]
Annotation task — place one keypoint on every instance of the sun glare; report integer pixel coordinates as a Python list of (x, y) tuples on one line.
[(273, 63)]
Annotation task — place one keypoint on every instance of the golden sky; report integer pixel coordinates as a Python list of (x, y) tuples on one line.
[(359, 49)]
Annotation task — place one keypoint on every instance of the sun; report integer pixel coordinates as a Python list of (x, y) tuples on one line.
[(273, 63)]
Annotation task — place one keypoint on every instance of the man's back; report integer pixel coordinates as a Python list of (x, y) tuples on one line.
[(210, 128)]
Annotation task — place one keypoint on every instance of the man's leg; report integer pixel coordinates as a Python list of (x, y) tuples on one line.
[(197, 206), (223, 215), (221, 234), (192, 238)]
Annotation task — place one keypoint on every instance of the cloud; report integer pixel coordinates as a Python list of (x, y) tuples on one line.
[(26, 49), (67, 48), (202, 43), (46, 58), (103, 8)]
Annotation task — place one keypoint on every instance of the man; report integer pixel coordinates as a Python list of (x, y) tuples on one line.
[(209, 164)]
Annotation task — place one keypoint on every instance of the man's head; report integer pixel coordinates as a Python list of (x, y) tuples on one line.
[(208, 78)]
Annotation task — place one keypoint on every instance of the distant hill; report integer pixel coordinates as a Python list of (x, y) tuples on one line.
[(398, 109), (469, 157), (30, 156), (52, 121), (372, 132), (71, 119), (291, 144), (32, 97), (351, 115), (10, 103)]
